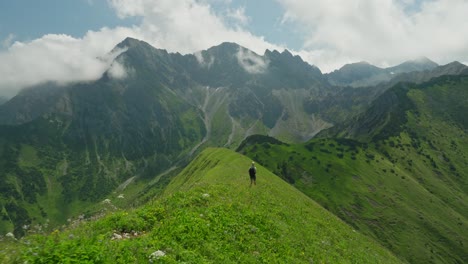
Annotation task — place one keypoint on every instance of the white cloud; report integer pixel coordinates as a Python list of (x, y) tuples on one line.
[(382, 32), (8, 40), (251, 62), (184, 26), (238, 15), (59, 58), (117, 69), (202, 61)]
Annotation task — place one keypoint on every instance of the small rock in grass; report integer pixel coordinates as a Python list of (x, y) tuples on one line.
[(156, 255), (116, 236)]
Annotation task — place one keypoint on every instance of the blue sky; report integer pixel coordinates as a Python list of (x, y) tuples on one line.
[(27, 19), (70, 40), (31, 19)]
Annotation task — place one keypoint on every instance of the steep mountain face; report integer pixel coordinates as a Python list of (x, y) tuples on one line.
[(364, 74), (243, 85), (30, 104), (400, 173)]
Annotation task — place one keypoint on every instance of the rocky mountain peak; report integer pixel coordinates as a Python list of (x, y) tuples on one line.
[(130, 43), (419, 64)]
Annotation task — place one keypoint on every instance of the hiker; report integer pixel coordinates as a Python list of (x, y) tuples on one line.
[(253, 174)]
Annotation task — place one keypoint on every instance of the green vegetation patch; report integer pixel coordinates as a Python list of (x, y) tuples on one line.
[(210, 214)]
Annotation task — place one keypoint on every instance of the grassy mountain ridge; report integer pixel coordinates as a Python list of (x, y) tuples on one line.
[(406, 210), (404, 183), (209, 214)]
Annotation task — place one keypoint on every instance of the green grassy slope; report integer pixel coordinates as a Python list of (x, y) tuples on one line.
[(377, 197), (407, 186), (209, 214)]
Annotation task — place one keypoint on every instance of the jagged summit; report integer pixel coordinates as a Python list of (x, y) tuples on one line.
[(286, 53), (226, 51), (131, 42), (294, 62), (226, 47), (141, 52), (270, 52), (354, 74)]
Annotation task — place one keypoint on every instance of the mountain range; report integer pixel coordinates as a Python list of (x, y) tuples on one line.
[(66, 148), (364, 74)]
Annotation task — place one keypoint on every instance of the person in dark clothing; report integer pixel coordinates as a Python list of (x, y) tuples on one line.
[(253, 174)]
